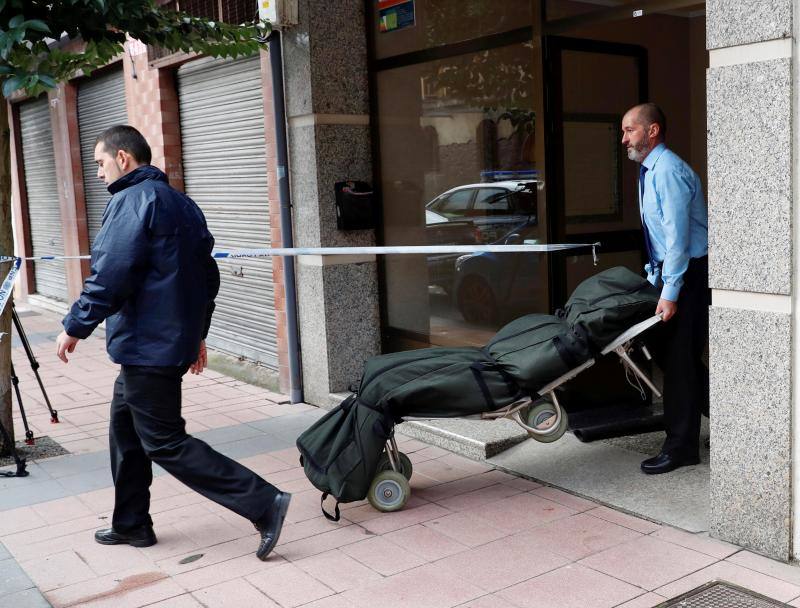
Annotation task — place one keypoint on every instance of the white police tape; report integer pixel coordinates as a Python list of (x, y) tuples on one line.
[(8, 283)]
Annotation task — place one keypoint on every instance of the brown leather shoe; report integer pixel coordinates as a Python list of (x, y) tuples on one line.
[(138, 537)]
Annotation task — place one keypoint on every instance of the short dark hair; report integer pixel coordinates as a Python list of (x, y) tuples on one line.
[(124, 137), (650, 113)]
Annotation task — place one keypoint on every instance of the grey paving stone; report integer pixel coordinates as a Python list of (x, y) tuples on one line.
[(74, 464), (226, 434), (254, 446), (86, 482), (32, 494), (12, 580), (29, 598), (4, 554), (36, 474)]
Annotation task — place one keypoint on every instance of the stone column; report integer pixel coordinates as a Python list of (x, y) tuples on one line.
[(751, 136), (327, 104)]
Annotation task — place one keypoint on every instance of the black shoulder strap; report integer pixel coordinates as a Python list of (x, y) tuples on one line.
[(336, 516)]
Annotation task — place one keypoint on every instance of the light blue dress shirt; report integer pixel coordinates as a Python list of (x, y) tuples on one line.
[(675, 212)]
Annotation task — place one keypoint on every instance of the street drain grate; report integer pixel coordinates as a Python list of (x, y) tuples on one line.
[(719, 594)]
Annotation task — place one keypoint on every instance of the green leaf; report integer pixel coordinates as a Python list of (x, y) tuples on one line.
[(35, 24), (16, 20), (12, 84), (48, 81)]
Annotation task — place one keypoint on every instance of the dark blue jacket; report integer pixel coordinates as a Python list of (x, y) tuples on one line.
[(153, 278)]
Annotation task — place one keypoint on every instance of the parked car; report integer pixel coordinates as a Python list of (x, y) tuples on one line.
[(440, 231), (489, 288), (493, 208)]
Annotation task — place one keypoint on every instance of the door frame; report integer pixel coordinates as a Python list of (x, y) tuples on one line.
[(621, 240)]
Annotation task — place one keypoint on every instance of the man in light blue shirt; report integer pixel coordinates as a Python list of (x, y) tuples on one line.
[(675, 226)]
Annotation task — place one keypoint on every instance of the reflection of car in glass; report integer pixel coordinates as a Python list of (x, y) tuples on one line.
[(440, 231), (490, 287), (492, 208)]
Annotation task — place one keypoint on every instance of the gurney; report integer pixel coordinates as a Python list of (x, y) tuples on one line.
[(351, 453)]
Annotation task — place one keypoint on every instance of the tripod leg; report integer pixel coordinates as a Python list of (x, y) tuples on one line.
[(34, 363), (20, 462), (28, 432)]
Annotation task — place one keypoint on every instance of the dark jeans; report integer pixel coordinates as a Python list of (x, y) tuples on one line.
[(678, 349), (146, 426)]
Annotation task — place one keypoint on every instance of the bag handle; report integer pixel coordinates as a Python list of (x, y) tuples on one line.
[(336, 516)]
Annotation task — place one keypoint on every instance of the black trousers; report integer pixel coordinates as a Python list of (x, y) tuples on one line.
[(678, 349), (146, 427)]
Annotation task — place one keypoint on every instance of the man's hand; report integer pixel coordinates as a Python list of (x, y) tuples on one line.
[(667, 309), (65, 344), (202, 360)]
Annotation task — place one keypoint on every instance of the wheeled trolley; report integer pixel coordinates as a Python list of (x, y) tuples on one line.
[(542, 417)]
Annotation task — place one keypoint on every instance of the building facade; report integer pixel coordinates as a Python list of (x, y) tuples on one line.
[(474, 122)]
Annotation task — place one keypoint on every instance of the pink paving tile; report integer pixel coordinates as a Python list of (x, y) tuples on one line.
[(177, 501), (512, 480), (565, 498), (466, 528), (210, 555), (440, 471), (320, 543), (646, 600), (41, 541), (426, 542), (578, 536), (105, 559), (307, 528), (195, 511), (521, 512), (289, 585), (383, 556), (489, 601), (389, 522), (648, 562), (208, 530), (789, 573), (473, 466), (112, 586), (137, 597), (58, 570), (697, 542), (227, 570), (171, 542), (84, 446), (332, 601), (473, 499), (233, 594), (337, 570), (623, 519), (19, 520), (428, 586), (795, 603), (572, 586), (181, 601), (502, 563), (454, 488), (726, 571)]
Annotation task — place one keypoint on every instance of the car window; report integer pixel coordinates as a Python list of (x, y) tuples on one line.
[(455, 204), (492, 201), (524, 201)]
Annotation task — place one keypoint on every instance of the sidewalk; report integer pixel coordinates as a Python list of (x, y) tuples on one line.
[(471, 536)]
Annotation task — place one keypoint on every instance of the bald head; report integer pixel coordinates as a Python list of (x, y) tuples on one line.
[(643, 128)]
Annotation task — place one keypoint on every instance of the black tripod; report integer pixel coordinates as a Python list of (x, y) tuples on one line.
[(20, 472), (15, 380)]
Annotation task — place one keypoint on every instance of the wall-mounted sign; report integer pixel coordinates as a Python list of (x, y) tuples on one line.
[(395, 15)]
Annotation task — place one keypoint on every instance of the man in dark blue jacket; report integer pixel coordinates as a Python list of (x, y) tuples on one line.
[(154, 282)]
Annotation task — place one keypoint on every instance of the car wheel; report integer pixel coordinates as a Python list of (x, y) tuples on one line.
[(476, 302)]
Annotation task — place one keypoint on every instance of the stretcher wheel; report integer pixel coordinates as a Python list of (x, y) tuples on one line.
[(541, 415), (406, 468), (389, 491)]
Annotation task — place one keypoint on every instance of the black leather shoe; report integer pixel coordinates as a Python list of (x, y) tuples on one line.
[(139, 537), (664, 463), (270, 528)]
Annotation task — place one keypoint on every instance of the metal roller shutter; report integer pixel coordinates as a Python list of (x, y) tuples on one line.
[(224, 167), (44, 210), (101, 104)]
